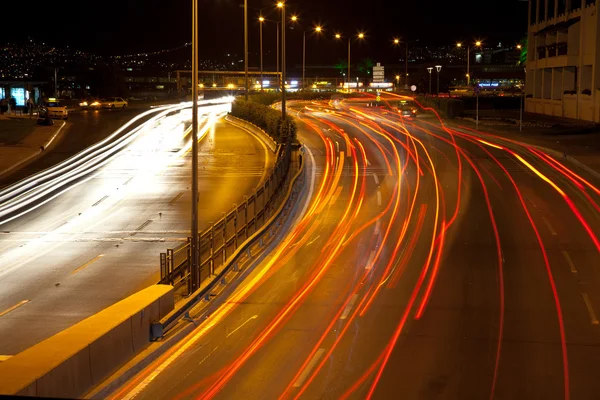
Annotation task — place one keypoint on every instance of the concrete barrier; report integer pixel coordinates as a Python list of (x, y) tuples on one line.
[(71, 362)]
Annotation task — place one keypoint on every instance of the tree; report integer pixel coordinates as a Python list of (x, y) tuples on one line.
[(365, 66), (342, 65)]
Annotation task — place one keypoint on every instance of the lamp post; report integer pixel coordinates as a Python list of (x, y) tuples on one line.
[(261, 19), (281, 5), (317, 29), (195, 267), (477, 44), (438, 68), (246, 49), (430, 70), (398, 81), (339, 36)]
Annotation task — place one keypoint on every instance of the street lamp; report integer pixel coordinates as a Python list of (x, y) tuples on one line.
[(477, 44), (261, 19), (430, 70), (438, 68), (246, 49), (281, 5), (360, 36), (397, 42), (398, 81), (317, 29), (195, 265)]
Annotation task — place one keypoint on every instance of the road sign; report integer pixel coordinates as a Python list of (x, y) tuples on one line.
[(378, 98), (413, 88), (378, 73)]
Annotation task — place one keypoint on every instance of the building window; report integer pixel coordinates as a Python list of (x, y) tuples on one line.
[(562, 7), (562, 48), (542, 13), (551, 9), (533, 5), (590, 2), (541, 52), (2, 93), (575, 5)]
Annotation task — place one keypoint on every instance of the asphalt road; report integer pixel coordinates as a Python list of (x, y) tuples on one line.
[(83, 129), (99, 241), (431, 264)]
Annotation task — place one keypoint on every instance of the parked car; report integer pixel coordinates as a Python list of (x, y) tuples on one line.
[(54, 109), (113, 102)]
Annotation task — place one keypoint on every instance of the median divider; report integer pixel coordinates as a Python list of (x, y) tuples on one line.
[(73, 361)]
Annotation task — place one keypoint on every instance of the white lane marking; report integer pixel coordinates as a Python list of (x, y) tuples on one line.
[(309, 368), (590, 309), (87, 264), (550, 228), (370, 260), (378, 198), (349, 306), (377, 227), (569, 261), (532, 203), (13, 308), (240, 327), (375, 178)]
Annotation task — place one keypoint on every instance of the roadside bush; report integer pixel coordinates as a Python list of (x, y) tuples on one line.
[(266, 118)]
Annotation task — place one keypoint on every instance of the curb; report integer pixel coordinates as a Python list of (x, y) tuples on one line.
[(33, 156)]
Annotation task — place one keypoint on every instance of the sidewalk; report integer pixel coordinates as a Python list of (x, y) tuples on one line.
[(576, 140), (21, 141)]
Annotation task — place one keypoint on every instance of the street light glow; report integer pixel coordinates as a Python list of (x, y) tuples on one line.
[(261, 19), (338, 36), (280, 4), (294, 18), (519, 47), (396, 41), (361, 35), (458, 44), (318, 29), (478, 43)]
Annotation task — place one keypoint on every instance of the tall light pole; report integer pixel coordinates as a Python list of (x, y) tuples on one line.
[(339, 36), (195, 267), (459, 45), (438, 68), (317, 29), (430, 70), (281, 5), (246, 49), (261, 20)]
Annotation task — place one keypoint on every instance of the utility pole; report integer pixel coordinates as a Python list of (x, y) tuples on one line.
[(195, 267), (261, 54)]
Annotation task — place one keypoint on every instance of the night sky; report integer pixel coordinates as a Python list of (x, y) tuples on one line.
[(126, 26)]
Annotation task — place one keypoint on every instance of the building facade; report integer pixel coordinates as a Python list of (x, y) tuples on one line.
[(563, 61)]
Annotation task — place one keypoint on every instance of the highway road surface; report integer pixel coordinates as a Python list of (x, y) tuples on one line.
[(87, 232), (432, 263)]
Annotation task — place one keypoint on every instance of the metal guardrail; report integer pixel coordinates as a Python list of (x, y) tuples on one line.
[(223, 238)]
